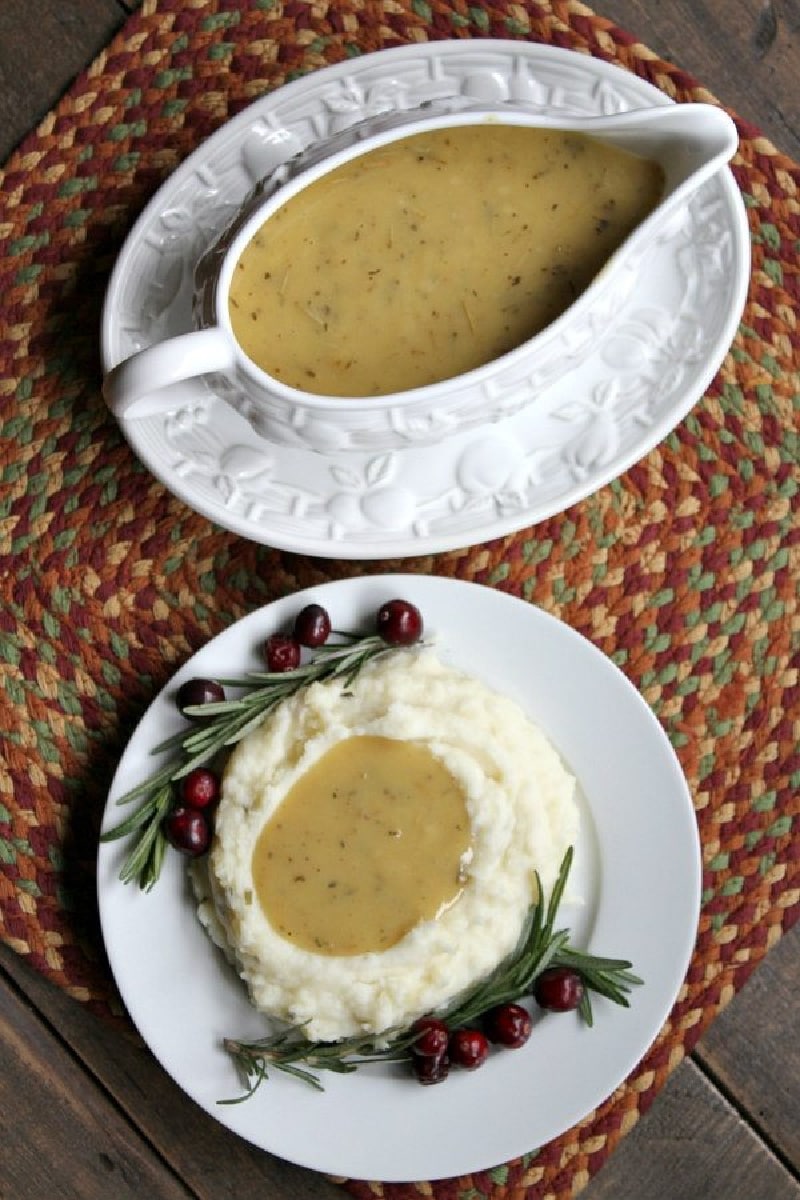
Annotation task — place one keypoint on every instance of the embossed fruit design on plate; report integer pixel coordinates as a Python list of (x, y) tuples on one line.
[(641, 379)]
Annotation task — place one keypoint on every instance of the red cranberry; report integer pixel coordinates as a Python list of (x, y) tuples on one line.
[(281, 653), (187, 830), (198, 691), (431, 1041), (200, 788), (558, 989), (399, 623), (468, 1048), (509, 1025), (431, 1068), (312, 626)]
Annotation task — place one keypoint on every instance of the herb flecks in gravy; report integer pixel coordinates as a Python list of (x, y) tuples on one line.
[(431, 256), (369, 842)]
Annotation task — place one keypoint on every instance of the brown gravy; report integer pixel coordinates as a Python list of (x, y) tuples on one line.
[(367, 843), (431, 256)]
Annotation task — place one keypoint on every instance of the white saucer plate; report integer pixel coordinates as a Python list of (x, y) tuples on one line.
[(646, 373), (635, 893)]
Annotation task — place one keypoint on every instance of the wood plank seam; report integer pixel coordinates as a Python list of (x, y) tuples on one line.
[(93, 1078), (750, 1117)]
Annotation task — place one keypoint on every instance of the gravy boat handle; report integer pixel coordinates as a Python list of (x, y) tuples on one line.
[(140, 385)]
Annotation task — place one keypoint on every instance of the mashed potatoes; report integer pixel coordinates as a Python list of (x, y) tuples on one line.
[(521, 812)]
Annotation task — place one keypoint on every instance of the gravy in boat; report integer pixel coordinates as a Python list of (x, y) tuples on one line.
[(433, 255)]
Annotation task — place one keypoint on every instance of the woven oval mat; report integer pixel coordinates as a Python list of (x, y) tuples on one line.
[(684, 571)]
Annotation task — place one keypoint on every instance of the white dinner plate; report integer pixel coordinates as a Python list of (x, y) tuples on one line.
[(635, 885), (646, 372)]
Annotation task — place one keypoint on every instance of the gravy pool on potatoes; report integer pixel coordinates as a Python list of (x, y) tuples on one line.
[(431, 256), (369, 842)]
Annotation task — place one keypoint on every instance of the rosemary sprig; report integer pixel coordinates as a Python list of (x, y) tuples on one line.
[(287, 1049), (223, 724), (540, 945)]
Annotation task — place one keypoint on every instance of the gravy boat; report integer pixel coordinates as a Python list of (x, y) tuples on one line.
[(689, 141)]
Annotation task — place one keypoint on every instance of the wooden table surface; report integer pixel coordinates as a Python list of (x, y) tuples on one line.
[(86, 1113)]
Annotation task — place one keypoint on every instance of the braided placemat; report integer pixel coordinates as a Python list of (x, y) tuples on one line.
[(684, 571)]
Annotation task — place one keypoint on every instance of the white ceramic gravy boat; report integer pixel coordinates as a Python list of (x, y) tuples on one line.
[(690, 142)]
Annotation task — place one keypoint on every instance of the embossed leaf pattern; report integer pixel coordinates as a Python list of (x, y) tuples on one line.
[(687, 341), (637, 339), (379, 469), (601, 398), (346, 477), (225, 487), (512, 502), (246, 462), (351, 104), (422, 428), (421, 492), (349, 99), (595, 446), (607, 99)]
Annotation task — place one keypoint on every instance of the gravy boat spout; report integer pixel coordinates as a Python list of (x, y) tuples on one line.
[(689, 141)]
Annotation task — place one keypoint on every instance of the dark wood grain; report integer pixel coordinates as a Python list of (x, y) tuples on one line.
[(44, 44), (752, 1051), (88, 1113), (55, 1127), (692, 1145), (723, 44), (728, 1120), (214, 1163)]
